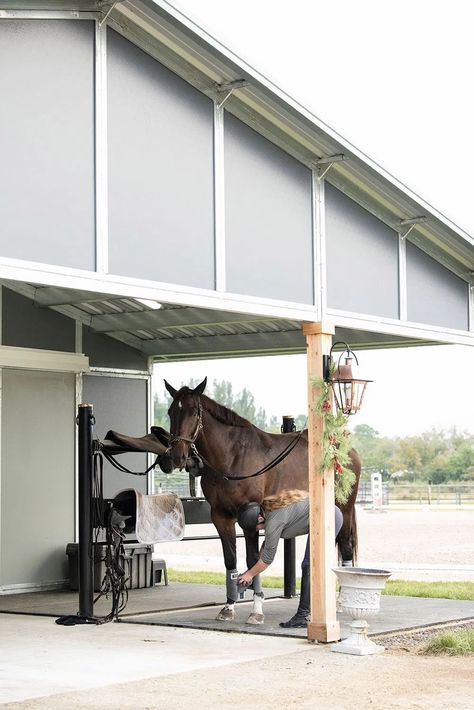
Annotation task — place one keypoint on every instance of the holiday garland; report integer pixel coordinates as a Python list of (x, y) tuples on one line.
[(336, 442)]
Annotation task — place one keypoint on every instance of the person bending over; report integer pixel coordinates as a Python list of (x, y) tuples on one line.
[(284, 515)]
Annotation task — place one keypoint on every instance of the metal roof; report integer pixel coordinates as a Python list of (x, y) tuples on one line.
[(175, 332)]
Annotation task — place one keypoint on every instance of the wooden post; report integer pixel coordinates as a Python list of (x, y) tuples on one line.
[(324, 625)]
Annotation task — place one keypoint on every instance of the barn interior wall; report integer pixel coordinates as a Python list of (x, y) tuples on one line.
[(24, 325), (104, 351), (37, 477), (120, 404)]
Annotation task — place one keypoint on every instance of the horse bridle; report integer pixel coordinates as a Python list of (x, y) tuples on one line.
[(199, 426), (191, 441)]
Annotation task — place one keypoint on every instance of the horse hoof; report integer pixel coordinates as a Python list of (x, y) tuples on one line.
[(226, 614), (255, 619)]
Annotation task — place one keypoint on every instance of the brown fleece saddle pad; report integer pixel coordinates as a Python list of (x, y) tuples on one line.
[(156, 442)]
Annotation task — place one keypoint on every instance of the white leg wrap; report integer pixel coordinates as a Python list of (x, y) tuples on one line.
[(257, 604), (256, 617)]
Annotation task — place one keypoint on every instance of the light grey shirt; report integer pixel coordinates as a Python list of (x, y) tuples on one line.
[(287, 522)]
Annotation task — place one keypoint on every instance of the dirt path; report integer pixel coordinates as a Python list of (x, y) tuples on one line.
[(312, 678)]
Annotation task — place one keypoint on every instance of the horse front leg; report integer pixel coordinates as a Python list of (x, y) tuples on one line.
[(226, 528), (252, 551)]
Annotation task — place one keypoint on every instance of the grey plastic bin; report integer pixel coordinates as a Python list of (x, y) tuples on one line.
[(137, 565)]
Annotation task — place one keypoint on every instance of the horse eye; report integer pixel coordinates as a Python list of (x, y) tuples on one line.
[(180, 405)]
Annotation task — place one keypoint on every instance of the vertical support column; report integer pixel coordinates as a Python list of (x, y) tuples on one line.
[(324, 625), (402, 277), (101, 158), (219, 199), (471, 306), (319, 245), (86, 579)]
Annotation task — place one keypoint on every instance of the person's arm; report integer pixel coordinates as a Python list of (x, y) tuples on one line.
[(246, 577)]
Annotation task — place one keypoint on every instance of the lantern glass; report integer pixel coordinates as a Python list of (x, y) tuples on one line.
[(348, 390), (349, 394)]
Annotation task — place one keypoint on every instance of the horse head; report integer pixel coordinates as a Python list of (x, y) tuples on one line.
[(185, 415)]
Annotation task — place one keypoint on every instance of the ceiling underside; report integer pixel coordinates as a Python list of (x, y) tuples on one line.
[(176, 332)]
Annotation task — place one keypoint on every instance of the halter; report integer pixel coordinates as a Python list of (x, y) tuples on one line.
[(174, 439)]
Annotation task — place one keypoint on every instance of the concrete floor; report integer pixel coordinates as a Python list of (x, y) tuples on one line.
[(44, 665)]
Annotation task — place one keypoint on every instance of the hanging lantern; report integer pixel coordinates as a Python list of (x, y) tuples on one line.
[(348, 390)]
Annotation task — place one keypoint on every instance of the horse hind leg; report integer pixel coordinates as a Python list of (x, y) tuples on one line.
[(347, 540)]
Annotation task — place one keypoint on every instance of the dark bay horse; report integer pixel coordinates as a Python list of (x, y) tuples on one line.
[(231, 447)]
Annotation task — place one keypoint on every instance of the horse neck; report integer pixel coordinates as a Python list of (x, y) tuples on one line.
[(222, 444)]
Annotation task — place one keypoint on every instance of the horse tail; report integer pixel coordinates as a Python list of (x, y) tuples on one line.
[(347, 540)]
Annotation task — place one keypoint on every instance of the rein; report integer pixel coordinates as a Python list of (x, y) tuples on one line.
[(271, 464)]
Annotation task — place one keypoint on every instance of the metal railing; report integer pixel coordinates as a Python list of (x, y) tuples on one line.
[(419, 493)]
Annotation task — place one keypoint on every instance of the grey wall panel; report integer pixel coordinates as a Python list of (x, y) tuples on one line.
[(120, 404), (268, 218), (37, 485), (435, 295), (160, 133), (27, 326), (47, 142), (362, 259), (104, 351)]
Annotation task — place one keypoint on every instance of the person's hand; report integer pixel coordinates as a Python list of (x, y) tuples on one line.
[(245, 579)]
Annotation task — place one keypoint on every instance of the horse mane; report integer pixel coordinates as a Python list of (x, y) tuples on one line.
[(218, 411), (223, 414)]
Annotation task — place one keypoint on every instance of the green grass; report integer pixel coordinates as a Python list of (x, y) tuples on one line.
[(436, 590), (451, 643)]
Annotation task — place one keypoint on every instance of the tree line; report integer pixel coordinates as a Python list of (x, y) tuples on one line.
[(436, 456)]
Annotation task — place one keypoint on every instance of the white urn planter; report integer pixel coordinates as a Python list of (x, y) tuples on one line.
[(360, 598)]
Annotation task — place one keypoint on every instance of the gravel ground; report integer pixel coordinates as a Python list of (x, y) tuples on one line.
[(414, 642)]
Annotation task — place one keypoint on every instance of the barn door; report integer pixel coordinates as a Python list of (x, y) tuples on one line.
[(37, 477)]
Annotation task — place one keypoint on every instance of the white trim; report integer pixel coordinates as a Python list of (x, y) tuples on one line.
[(471, 307), (26, 587), (47, 15), (219, 200), (64, 277), (150, 421), (390, 326), (234, 303), (402, 278), (45, 360), (117, 372), (78, 336), (319, 245), (101, 158)]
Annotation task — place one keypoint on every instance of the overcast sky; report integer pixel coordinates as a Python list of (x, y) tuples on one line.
[(395, 78)]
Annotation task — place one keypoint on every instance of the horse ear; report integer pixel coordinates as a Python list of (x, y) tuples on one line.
[(170, 389), (201, 387)]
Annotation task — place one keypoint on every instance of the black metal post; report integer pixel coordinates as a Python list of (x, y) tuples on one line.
[(289, 546), (85, 421)]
